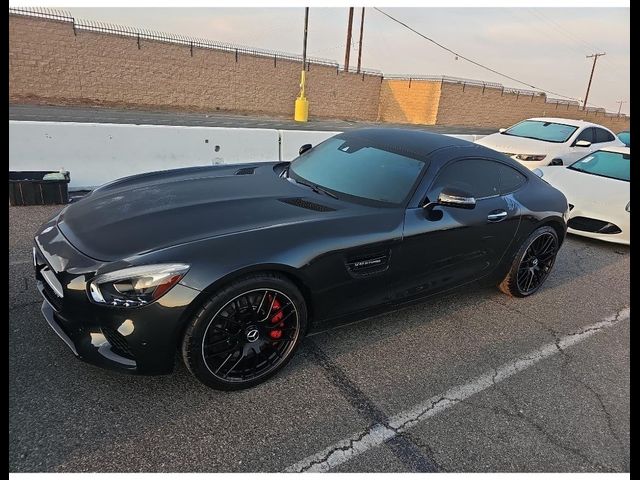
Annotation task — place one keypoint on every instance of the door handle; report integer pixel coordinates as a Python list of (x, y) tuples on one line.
[(497, 215)]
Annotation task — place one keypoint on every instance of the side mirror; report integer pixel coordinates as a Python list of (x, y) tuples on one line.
[(502, 130), (304, 148), (452, 197), (583, 143)]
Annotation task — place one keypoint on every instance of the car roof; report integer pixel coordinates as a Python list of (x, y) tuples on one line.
[(623, 150), (415, 141), (567, 121)]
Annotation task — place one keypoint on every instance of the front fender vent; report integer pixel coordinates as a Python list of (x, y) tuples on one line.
[(309, 205), (245, 171)]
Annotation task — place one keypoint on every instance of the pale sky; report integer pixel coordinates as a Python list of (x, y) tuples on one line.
[(543, 47)]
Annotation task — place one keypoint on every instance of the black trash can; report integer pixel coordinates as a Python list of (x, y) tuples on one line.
[(28, 188)]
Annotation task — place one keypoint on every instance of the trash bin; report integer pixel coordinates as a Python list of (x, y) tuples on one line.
[(29, 188)]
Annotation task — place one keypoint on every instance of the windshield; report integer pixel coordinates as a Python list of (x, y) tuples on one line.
[(544, 131), (605, 164), (358, 170), (625, 137)]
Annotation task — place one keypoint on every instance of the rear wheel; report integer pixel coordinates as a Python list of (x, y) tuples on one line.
[(246, 332), (532, 264)]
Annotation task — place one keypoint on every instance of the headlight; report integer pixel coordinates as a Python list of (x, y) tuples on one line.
[(628, 207), (136, 286), (525, 157)]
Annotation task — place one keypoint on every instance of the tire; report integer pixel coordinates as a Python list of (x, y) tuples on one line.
[(536, 256), (245, 332)]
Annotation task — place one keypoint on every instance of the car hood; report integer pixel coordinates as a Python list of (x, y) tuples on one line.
[(511, 144), (148, 212), (598, 194)]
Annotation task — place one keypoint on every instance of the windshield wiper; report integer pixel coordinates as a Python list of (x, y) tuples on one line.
[(317, 188)]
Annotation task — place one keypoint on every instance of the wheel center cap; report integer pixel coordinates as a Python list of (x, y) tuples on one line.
[(252, 334), (534, 262)]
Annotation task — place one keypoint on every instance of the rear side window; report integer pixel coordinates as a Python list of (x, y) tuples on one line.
[(603, 136), (586, 134), (510, 179), (480, 178)]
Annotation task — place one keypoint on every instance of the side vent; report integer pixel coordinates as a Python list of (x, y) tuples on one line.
[(302, 203), (245, 171)]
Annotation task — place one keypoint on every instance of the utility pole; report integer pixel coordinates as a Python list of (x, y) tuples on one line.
[(348, 50), (595, 59), (620, 102), (360, 43), (301, 108)]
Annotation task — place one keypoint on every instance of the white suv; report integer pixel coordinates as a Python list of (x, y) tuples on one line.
[(538, 142)]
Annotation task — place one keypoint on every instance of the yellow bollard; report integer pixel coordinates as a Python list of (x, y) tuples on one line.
[(301, 111)]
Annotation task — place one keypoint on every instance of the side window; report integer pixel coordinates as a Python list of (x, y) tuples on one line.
[(586, 134), (480, 178), (510, 179), (603, 136)]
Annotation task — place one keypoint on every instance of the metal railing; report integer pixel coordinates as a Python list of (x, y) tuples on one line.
[(466, 81)]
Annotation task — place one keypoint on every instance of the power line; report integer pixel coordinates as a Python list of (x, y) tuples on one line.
[(473, 61)]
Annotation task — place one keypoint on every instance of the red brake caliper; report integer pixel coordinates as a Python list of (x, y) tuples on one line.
[(276, 333)]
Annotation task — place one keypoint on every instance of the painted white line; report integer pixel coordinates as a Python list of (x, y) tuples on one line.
[(346, 449), (19, 262)]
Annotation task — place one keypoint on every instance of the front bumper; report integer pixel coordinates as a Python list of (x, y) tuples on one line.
[(592, 221), (140, 340)]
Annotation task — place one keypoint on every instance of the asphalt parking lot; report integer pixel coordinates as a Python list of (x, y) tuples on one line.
[(470, 381)]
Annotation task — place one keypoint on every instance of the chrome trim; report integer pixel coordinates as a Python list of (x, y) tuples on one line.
[(52, 281), (496, 216), (47, 313)]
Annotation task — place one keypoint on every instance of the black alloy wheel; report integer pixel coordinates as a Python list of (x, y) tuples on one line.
[(532, 264), (246, 332)]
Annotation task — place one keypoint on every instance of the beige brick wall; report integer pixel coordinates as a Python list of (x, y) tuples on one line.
[(49, 64), (404, 101), (473, 107)]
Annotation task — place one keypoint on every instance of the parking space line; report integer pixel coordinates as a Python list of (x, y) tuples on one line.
[(19, 262), (346, 449), (402, 447)]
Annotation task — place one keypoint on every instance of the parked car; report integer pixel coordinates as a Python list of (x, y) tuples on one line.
[(598, 189), (625, 137), (231, 265), (538, 142)]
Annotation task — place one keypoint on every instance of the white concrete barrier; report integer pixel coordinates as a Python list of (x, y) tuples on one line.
[(95, 153), (292, 140)]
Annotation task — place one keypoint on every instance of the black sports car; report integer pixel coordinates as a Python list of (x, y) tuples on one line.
[(230, 266)]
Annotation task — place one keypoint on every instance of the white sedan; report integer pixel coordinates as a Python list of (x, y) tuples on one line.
[(538, 142), (597, 188)]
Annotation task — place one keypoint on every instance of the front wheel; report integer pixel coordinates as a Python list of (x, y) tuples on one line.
[(532, 264), (246, 332)]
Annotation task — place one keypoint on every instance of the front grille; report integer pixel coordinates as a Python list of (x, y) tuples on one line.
[(302, 203), (586, 224), (119, 344)]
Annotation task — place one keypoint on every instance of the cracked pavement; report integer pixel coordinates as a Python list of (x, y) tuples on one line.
[(567, 411)]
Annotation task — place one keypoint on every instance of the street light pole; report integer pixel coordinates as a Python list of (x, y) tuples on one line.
[(301, 108)]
